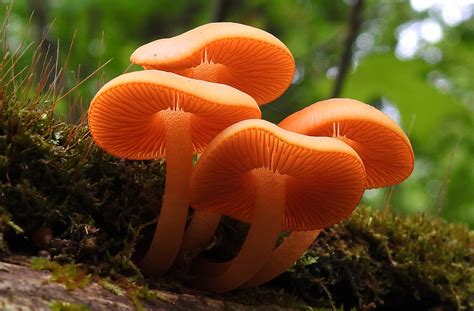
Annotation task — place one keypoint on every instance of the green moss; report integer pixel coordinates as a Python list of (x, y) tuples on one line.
[(135, 292), (69, 275), (57, 305), (138, 293), (390, 261), (4, 219), (55, 177), (117, 290)]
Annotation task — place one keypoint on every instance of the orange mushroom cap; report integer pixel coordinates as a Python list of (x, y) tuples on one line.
[(247, 58), (325, 178), (381, 144), (124, 116)]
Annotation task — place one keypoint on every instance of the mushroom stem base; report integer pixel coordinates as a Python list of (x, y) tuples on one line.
[(265, 227), (198, 235), (284, 256)]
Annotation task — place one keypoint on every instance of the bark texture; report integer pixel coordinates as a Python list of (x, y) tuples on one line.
[(22, 288)]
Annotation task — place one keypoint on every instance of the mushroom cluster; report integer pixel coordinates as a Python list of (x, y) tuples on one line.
[(200, 94)]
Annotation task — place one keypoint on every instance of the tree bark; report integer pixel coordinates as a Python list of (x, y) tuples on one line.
[(22, 288), (355, 22)]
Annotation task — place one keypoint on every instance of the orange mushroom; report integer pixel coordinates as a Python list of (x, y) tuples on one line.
[(381, 144), (247, 58), (153, 114), (275, 180)]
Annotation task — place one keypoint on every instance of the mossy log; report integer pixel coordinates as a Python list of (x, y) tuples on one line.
[(66, 200), (22, 288)]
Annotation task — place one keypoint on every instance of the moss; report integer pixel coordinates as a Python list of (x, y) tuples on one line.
[(57, 305), (376, 260), (138, 293), (107, 284), (54, 177), (4, 219), (69, 275), (134, 291)]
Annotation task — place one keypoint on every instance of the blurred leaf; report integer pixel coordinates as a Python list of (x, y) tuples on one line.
[(405, 84)]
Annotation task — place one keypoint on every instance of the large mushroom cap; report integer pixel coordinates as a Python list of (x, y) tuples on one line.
[(125, 118), (381, 144), (247, 58), (325, 178)]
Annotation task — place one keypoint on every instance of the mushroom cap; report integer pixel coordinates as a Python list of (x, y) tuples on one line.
[(125, 118), (247, 58), (381, 144), (325, 178)]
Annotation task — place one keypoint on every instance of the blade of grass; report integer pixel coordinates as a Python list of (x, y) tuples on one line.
[(82, 81), (391, 189)]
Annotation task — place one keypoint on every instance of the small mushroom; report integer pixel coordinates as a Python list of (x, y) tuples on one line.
[(247, 58), (153, 114), (275, 180), (381, 144)]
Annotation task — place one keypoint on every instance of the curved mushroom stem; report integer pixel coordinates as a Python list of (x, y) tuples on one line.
[(266, 225), (172, 219), (284, 256), (198, 234)]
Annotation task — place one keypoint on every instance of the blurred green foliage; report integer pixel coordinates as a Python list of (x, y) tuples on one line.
[(432, 88)]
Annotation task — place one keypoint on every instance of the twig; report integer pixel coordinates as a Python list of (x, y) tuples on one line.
[(355, 22), (392, 188), (81, 82), (388, 200)]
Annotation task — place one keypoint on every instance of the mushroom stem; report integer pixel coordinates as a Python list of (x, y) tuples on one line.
[(198, 234), (266, 225), (208, 71), (284, 256), (172, 219)]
